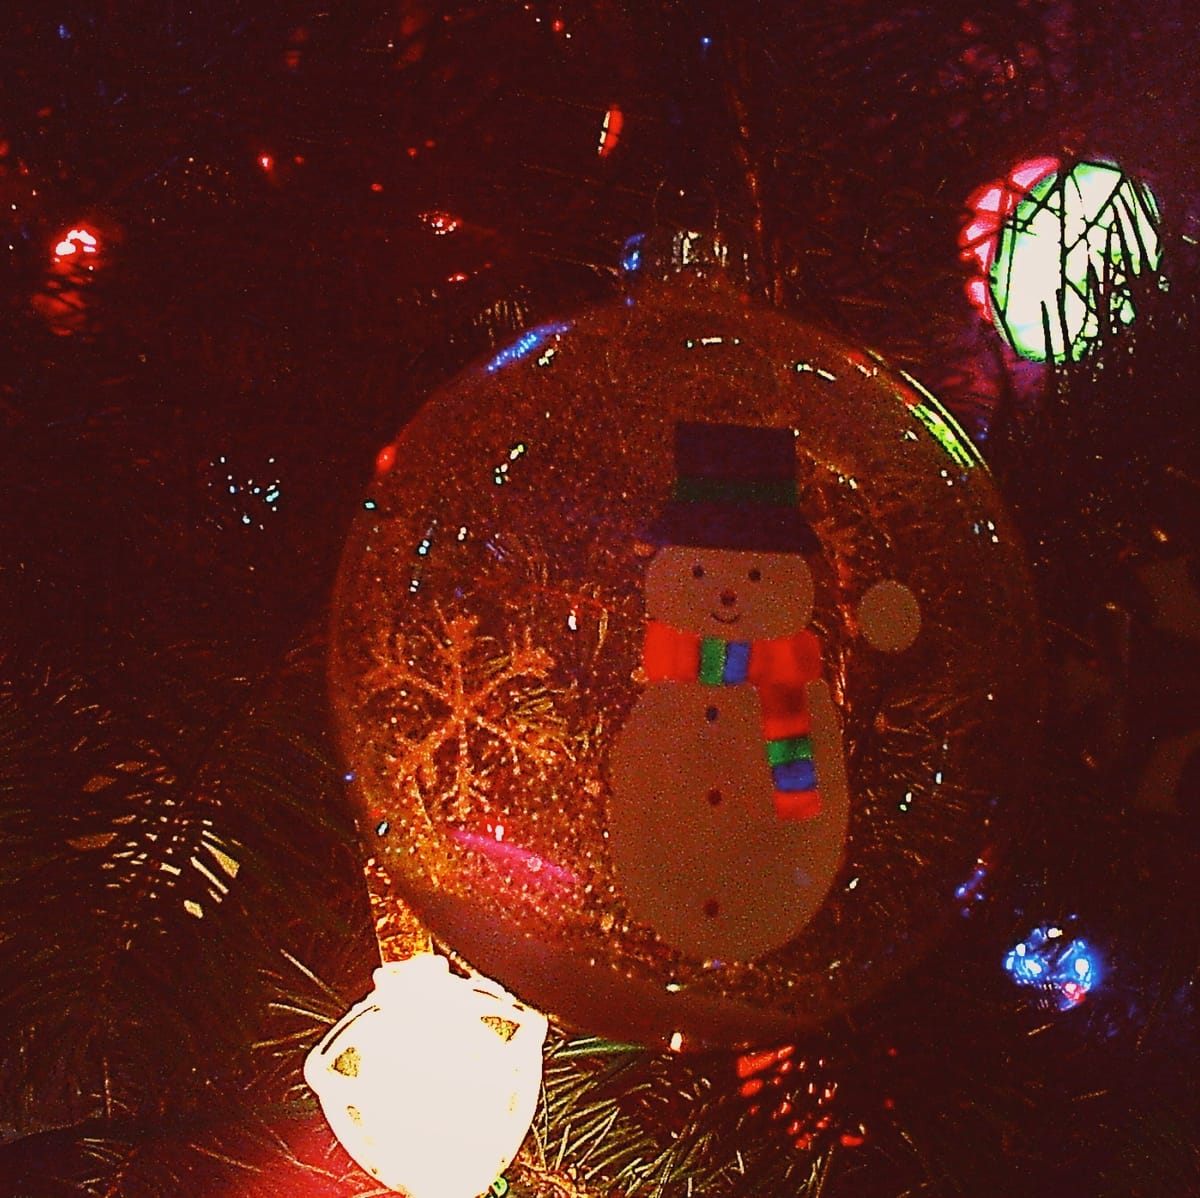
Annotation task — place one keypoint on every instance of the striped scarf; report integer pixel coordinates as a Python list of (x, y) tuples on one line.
[(779, 670)]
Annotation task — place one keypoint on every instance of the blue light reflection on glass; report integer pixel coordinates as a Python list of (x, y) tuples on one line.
[(971, 891), (1065, 969), (526, 344), (631, 253)]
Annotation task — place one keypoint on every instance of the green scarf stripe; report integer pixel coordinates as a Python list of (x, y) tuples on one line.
[(777, 491), (789, 748), (712, 661)]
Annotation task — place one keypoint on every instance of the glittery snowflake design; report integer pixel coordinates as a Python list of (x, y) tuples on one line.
[(462, 712)]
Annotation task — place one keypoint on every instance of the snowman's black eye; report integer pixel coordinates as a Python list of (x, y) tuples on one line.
[(755, 575), (697, 571)]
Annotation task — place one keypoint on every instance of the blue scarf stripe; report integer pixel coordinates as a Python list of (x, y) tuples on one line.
[(737, 663), (795, 775)]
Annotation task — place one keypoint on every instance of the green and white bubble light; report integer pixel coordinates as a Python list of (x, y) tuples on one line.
[(1057, 249)]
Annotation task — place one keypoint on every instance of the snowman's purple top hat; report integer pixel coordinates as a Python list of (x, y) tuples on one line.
[(735, 488)]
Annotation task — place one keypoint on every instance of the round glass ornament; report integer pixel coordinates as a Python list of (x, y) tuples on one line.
[(686, 663)]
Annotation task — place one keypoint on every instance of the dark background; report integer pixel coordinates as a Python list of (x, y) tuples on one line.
[(307, 216)]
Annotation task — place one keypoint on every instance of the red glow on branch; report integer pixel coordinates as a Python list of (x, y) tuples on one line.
[(292, 55), (750, 1063), (64, 300), (76, 242), (441, 223), (610, 130), (989, 207)]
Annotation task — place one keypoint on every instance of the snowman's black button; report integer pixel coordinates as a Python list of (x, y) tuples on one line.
[(710, 714), (714, 796)]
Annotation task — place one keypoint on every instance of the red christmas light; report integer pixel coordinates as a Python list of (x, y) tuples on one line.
[(610, 130), (385, 459), (990, 206), (76, 243)]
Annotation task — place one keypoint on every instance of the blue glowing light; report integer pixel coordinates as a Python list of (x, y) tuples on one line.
[(631, 253), (526, 344), (972, 891), (1064, 969)]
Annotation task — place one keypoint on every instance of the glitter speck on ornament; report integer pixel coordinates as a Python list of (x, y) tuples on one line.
[(248, 501), (526, 344)]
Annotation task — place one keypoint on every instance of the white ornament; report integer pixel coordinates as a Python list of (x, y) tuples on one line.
[(431, 1081)]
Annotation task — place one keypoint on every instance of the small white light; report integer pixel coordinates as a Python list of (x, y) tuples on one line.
[(431, 1081)]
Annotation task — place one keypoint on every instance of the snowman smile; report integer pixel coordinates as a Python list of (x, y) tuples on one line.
[(726, 617)]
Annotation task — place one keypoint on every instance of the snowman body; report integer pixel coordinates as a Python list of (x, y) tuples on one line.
[(726, 838)]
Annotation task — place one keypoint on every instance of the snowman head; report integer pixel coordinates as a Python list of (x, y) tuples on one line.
[(731, 546), (739, 595)]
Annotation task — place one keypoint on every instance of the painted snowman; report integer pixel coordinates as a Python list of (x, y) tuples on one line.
[(729, 808)]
